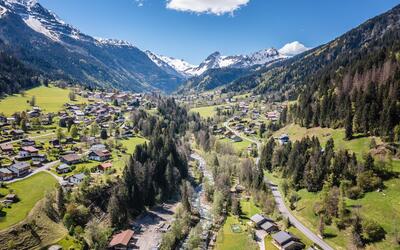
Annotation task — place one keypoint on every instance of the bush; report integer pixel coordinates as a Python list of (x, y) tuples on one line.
[(373, 232), (355, 193), (368, 181)]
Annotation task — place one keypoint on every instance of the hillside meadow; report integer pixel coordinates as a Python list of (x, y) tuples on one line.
[(49, 99)]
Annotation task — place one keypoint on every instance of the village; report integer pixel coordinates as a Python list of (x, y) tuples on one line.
[(70, 144)]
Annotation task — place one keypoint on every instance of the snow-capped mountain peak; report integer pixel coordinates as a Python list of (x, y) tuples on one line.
[(216, 60)]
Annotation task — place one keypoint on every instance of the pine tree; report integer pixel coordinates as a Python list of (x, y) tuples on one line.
[(349, 124)]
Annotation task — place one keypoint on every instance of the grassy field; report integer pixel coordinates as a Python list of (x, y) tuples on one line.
[(206, 112), (47, 232), (30, 191), (120, 161), (50, 99), (237, 241), (238, 146), (131, 143), (358, 145)]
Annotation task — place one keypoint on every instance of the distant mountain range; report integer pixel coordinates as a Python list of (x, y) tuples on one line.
[(43, 42)]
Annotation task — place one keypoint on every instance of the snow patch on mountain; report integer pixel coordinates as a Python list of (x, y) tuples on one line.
[(114, 42), (37, 26)]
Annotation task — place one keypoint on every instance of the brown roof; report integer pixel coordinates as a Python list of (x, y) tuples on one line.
[(30, 149), (122, 238), (71, 157), (106, 165), (102, 153), (6, 147)]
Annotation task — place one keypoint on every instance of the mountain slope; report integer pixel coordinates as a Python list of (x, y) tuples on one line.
[(41, 40), (342, 53)]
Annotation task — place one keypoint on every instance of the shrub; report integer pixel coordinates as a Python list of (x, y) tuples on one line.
[(355, 192), (373, 231)]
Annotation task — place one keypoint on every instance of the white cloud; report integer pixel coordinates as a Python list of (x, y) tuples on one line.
[(217, 7), (139, 3), (293, 48)]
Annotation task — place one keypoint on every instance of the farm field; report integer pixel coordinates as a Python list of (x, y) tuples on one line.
[(206, 112), (238, 146), (49, 99), (29, 191)]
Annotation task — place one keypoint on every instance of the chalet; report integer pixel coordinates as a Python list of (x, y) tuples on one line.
[(272, 116), (286, 241), (22, 156), (77, 178), (269, 227), (100, 155), (33, 113), (39, 158), (258, 220), (70, 159), (236, 138), (27, 143), (63, 168), (97, 147), (7, 148), (6, 174), (123, 240), (55, 142), (20, 168), (102, 168), (17, 134), (122, 98), (31, 150)]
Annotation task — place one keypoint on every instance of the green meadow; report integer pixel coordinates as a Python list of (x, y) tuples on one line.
[(29, 191), (49, 99)]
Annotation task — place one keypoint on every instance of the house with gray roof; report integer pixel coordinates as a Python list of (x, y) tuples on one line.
[(286, 241), (20, 168)]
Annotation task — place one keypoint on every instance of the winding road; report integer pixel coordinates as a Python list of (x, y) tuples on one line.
[(280, 203)]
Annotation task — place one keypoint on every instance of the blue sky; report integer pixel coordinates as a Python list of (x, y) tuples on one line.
[(192, 29)]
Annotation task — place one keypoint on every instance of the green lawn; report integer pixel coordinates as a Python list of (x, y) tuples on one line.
[(69, 242), (131, 143), (358, 145), (238, 146), (206, 112), (239, 241), (50, 99), (30, 191), (119, 162)]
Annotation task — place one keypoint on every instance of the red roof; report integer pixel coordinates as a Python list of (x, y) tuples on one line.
[(106, 165), (122, 238)]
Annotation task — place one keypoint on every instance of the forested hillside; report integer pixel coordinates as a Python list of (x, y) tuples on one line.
[(341, 59), (15, 76)]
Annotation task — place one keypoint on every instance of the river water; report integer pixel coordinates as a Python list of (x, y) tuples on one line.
[(198, 204)]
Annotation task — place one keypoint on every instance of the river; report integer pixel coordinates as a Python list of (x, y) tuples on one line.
[(197, 203)]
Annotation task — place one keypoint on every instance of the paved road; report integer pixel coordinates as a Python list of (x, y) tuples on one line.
[(45, 167), (280, 203), (32, 137)]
